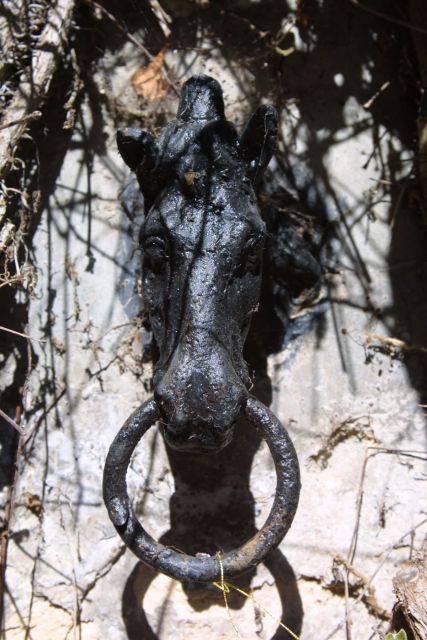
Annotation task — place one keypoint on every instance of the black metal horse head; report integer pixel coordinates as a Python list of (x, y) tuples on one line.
[(203, 240)]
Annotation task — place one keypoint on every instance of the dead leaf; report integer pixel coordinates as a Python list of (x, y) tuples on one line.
[(33, 502), (190, 177), (149, 82)]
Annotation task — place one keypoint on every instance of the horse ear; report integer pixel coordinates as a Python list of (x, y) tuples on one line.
[(137, 148), (292, 260), (258, 141)]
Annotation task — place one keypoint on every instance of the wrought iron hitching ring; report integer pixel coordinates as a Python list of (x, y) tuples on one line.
[(202, 568)]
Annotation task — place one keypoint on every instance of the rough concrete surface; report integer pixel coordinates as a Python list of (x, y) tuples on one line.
[(350, 399)]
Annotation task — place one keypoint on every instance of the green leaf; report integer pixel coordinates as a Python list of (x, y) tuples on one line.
[(400, 635)]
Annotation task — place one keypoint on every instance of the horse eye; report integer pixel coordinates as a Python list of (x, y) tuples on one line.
[(253, 257), (155, 253), (250, 261)]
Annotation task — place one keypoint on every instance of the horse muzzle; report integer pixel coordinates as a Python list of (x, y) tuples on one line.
[(203, 423)]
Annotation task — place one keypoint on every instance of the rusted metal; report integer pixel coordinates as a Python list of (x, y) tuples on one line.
[(203, 568)]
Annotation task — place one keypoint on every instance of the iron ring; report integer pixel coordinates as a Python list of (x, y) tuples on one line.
[(207, 568)]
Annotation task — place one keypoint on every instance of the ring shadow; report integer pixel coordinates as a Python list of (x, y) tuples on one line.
[(211, 509), (141, 577)]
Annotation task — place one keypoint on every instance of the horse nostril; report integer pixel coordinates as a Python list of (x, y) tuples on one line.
[(223, 429), (179, 425), (207, 417)]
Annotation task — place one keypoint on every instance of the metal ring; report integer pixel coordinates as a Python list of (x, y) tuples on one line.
[(204, 568)]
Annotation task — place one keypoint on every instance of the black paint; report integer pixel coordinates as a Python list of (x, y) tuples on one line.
[(203, 243), (202, 567)]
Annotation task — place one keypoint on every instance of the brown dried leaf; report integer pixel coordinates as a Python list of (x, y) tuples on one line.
[(33, 502), (149, 82), (190, 177)]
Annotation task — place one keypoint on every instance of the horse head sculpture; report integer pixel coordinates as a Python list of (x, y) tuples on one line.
[(203, 241)]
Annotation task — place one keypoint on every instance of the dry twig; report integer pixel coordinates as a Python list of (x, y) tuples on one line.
[(12, 423), (34, 427), (369, 597), (386, 555), (4, 541), (32, 93), (24, 120), (163, 17), (22, 335), (132, 39), (386, 16), (393, 343)]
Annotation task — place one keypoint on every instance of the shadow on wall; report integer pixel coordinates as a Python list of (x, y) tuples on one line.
[(222, 482), (137, 624), (408, 275), (322, 80), (325, 79)]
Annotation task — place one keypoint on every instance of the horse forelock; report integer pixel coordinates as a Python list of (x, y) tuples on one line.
[(202, 148)]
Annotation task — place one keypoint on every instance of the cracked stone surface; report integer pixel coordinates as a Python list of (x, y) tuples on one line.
[(350, 400)]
